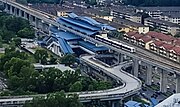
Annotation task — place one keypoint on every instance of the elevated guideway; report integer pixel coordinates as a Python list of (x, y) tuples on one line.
[(154, 60)]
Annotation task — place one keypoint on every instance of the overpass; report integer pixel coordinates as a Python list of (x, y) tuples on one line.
[(37, 18)]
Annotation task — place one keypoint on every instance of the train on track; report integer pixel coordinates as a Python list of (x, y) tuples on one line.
[(115, 44)]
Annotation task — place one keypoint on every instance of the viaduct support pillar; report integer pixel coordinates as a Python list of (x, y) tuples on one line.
[(21, 14), (31, 19), (149, 74), (177, 83), (135, 67), (37, 22), (163, 81), (119, 58), (6, 8), (11, 10)]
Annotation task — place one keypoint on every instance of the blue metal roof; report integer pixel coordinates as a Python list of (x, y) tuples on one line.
[(80, 29), (73, 15), (92, 47), (81, 24), (65, 46), (154, 101), (65, 35), (134, 104), (90, 20), (54, 29)]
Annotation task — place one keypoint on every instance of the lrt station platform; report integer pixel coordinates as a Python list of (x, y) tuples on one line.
[(61, 41)]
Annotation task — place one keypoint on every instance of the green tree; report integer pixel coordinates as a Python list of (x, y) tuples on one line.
[(17, 41), (55, 100), (52, 60), (26, 33), (6, 35), (76, 87), (1, 42), (90, 87), (41, 56), (13, 66), (68, 59)]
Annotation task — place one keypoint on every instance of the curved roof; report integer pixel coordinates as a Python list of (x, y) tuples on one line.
[(90, 20), (73, 15)]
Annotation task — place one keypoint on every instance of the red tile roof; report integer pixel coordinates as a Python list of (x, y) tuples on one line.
[(145, 39), (158, 43), (131, 33), (152, 33), (176, 49), (167, 46), (137, 36), (177, 42), (161, 36)]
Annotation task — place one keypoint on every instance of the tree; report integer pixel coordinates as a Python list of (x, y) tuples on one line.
[(1, 42), (41, 56), (13, 66), (26, 33), (15, 24), (52, 60), (17, 41), (6, 35), (76, 87), (58, 99), (68, 59)]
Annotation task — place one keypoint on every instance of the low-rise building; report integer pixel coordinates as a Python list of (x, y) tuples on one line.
[(156, 12), (132, 25), (100, 13), (171, 17), (161, 37), (159, 43), (172, 101), (163, 26), (145, 41), (118, 26), (126, 12)]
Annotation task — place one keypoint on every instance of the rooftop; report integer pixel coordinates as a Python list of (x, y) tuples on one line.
[(176, 50), (131, 10), (131, 33), (160, 36), (113, 24), (92, 47), (161, 8), (127, 22), (172, 15), (145, 39), (98, 11), (170, 24), (157, 43), (167, 46), (137, 36), (83, 24), (172, 101)]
